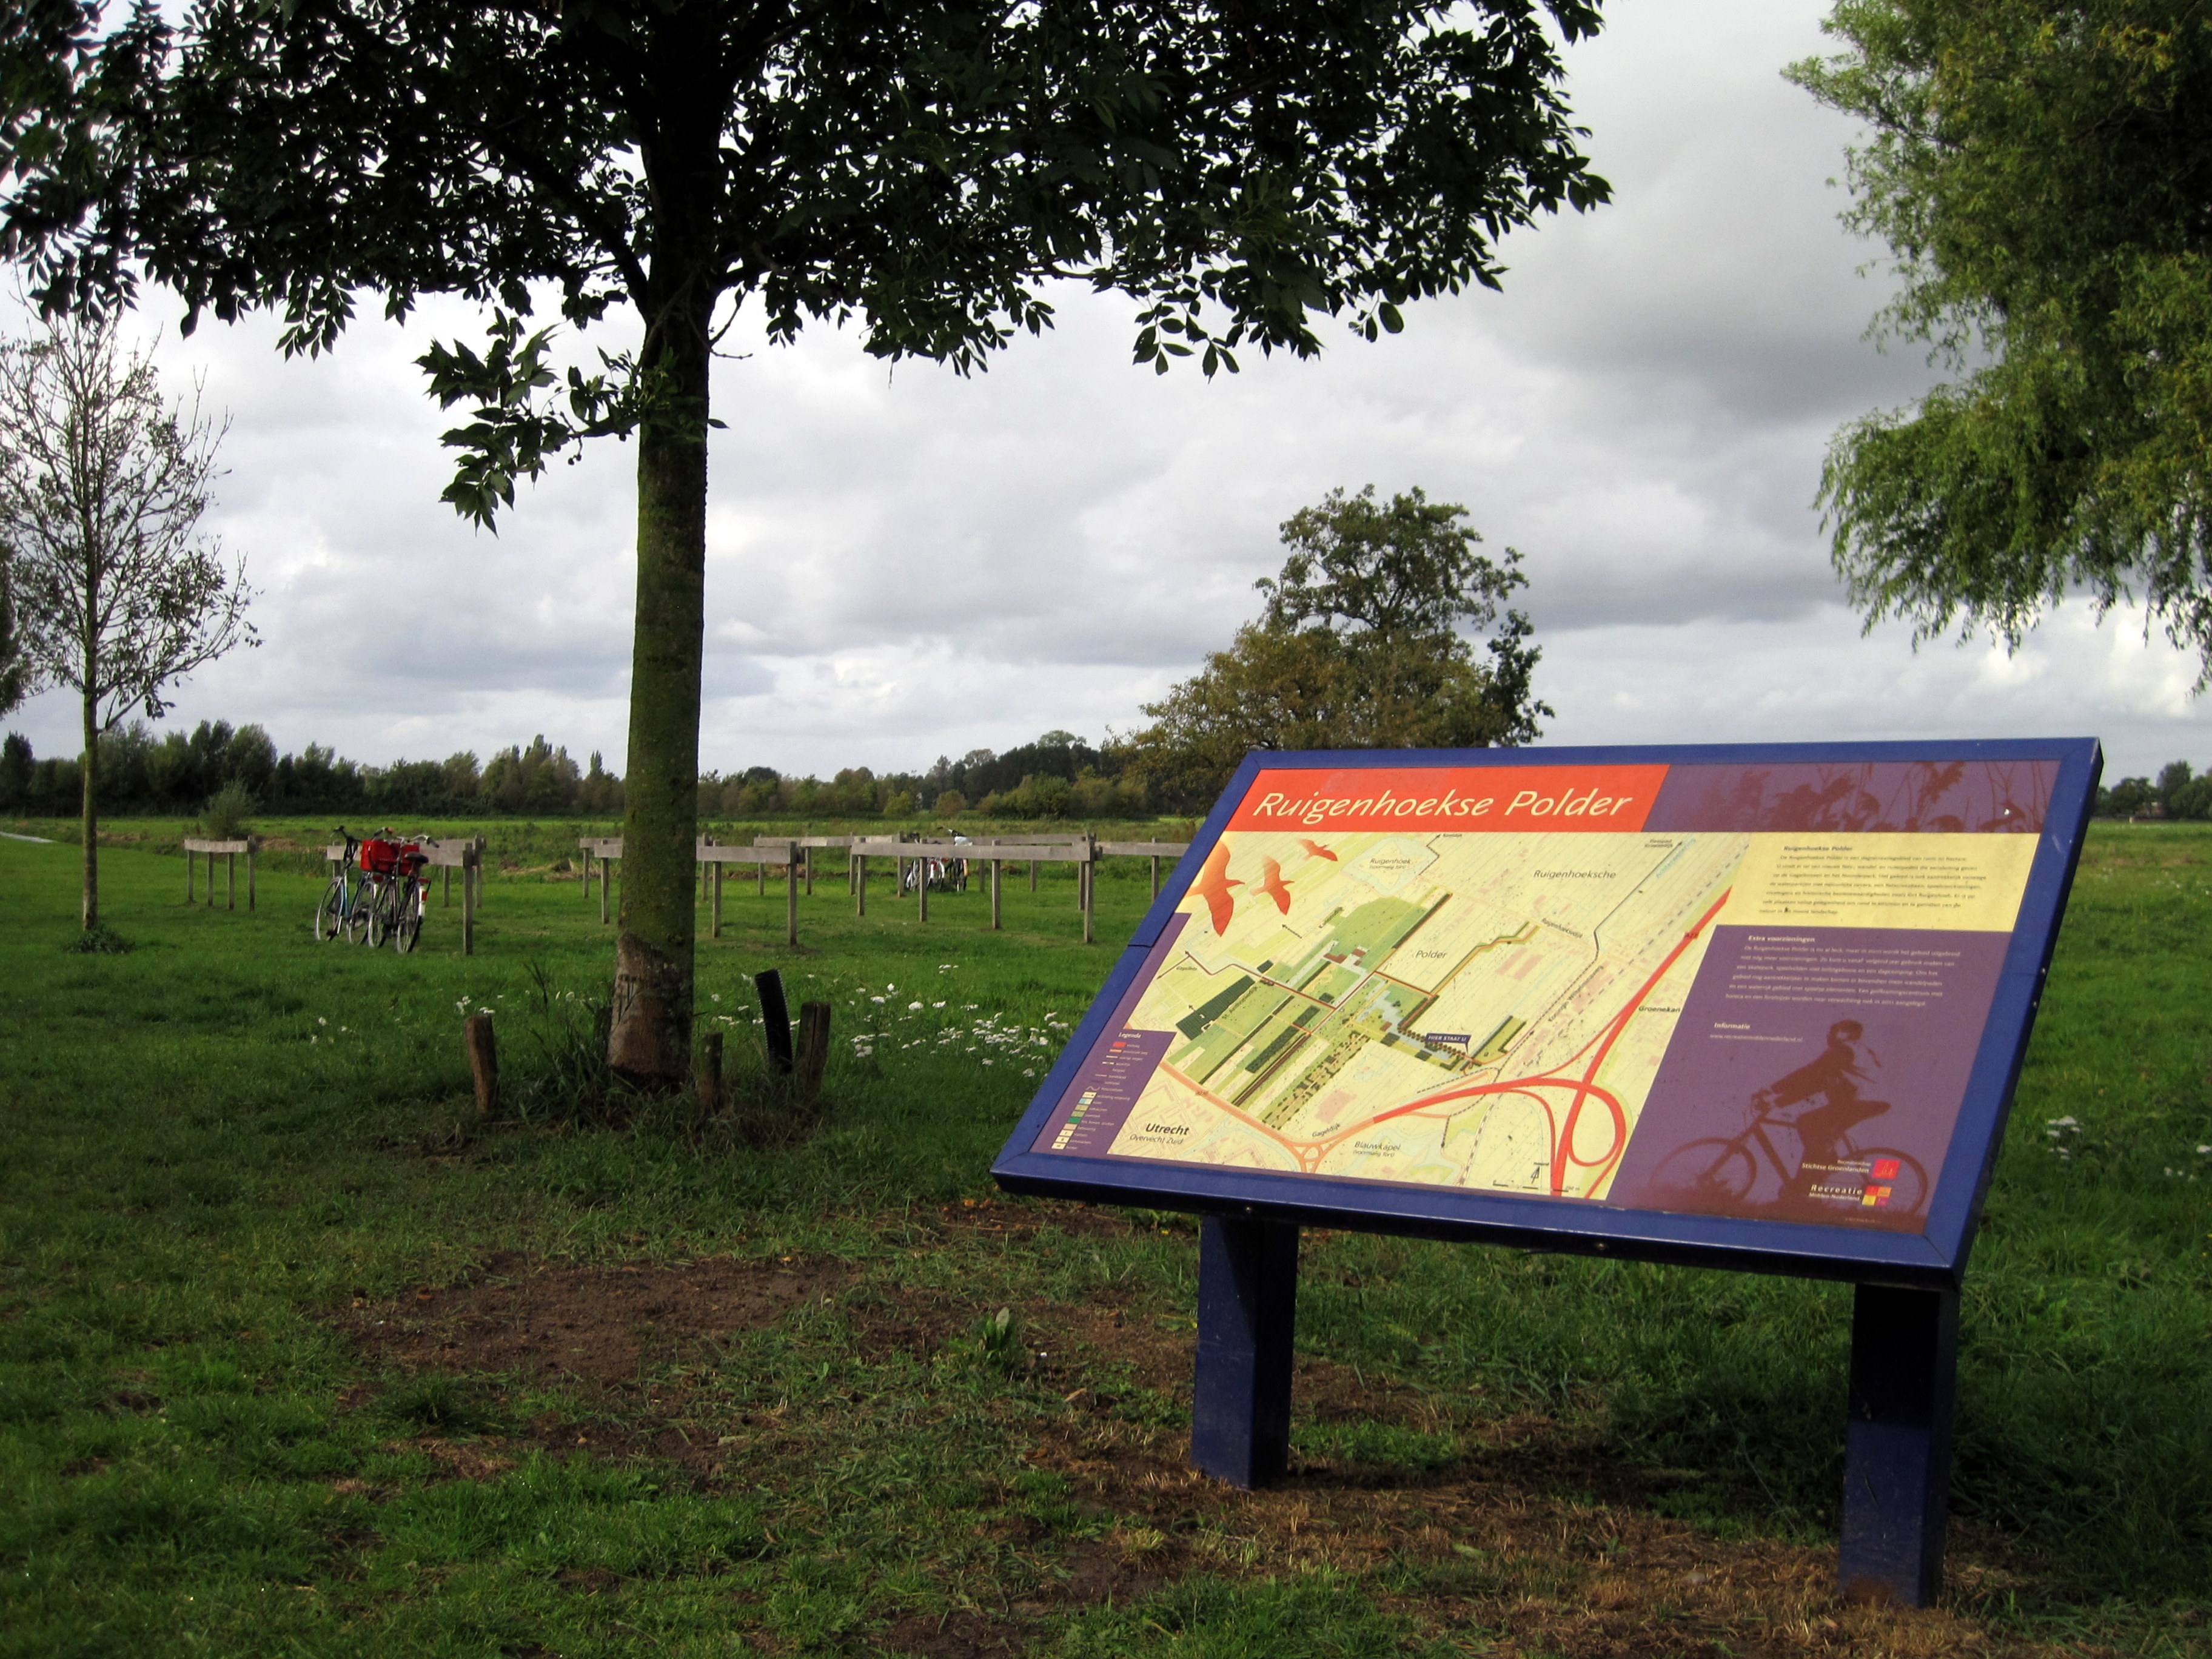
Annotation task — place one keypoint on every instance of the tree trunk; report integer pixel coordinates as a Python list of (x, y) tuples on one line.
[(91, 810), (649, 1041)]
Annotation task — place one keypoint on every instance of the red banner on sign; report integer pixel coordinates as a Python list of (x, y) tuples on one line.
[(1471, 798)]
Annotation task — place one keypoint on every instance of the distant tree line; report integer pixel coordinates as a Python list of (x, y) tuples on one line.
[(180, 773), (2180, 793)]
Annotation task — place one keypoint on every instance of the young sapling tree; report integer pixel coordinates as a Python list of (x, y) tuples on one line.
[(102, 486)]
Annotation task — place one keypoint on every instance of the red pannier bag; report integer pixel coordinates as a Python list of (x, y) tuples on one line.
[(379, 857)]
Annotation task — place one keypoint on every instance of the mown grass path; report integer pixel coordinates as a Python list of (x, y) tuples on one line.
[(295, 1358)]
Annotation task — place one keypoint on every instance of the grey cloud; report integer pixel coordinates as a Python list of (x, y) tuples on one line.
[(902, 563)]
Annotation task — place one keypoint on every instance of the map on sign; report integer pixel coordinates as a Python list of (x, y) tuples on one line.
[(1645, 986)]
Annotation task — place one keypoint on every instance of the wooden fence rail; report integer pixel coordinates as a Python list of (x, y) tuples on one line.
[(793, 855)]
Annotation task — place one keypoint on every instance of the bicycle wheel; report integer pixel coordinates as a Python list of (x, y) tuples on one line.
[(1707, 1170), (1908, 1185), (330, 914), (356, 916), (378, 906), (407, 925)]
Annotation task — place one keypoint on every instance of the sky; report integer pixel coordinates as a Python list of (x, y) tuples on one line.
[(903, 564)]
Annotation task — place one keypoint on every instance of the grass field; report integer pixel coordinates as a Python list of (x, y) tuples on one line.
[(296, 1358)]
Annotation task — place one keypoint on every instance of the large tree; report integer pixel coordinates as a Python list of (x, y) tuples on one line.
[(923, 170), (1364, 644), (2043, 171), (103, 482)]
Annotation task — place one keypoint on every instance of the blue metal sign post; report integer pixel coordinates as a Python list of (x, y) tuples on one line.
[(1759, 1007)]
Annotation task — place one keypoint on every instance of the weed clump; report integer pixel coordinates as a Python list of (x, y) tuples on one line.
[(559, 1078), (437, 1404), (99, 940)]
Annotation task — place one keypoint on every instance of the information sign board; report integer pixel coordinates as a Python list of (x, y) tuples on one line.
[(1757, 1006)]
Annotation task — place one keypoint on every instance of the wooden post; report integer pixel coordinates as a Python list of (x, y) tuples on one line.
[(860, 884), (1248, 1298), (230, 881), (587, 874), (921, 888), (471, 861), (252, 846), (1033, 864), (791, 895), (776, 1019), (806, 857), (710, 1074), (1897, 1446), (760, 874), (483, 1048), (996, 866), (1088, 871), (714, 923), (1156, 875), (813, 1047), (188, 875)]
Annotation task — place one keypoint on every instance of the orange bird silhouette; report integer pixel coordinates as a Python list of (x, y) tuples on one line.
[(1271, 883), (1214, 884), (1316, 850)]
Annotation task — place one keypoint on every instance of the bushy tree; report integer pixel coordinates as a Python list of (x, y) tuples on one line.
[(925, 171), (1361, 645), (102, 485), (2039, 169)]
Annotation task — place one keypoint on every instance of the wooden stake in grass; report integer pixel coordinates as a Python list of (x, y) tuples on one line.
[(813, 1047), (484, 1054), (710, 1074), (776, 1019)]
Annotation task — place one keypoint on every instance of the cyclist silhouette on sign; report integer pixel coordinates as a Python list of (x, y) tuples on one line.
[(1835, 1076)]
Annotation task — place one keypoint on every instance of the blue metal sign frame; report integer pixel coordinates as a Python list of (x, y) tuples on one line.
[(1934, 1258)]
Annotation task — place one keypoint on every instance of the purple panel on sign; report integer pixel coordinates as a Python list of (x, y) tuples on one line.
[(1816, 1075), (1950, 797), (1098, 1103)]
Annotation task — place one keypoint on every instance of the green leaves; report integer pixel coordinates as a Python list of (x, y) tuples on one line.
[(2040, 174), (1359, 647), (514, 432)]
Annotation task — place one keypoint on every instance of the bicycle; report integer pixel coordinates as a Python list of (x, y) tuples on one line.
[(408, 893), (345, 909), (1725, 1168), (392, 867)]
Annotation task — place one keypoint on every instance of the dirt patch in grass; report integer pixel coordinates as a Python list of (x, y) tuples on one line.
[(599, 1325), (1538, 1539), (1533, 1538)]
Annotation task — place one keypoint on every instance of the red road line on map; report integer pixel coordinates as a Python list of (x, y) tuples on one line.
[(1563, 1152)]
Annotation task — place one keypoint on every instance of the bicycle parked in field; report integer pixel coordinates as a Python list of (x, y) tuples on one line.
[(343, 912), (377, 892)]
